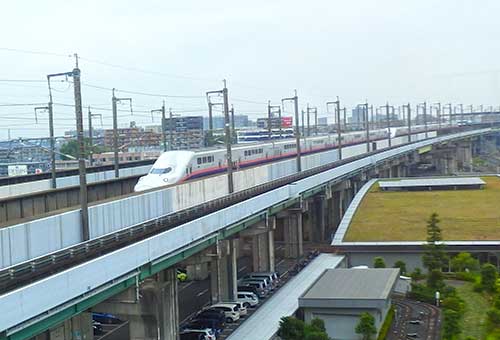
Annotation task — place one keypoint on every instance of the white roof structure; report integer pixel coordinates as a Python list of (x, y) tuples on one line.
[(432, 182), (264, 323)]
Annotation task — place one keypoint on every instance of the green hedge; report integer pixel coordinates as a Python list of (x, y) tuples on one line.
[(387, 324)]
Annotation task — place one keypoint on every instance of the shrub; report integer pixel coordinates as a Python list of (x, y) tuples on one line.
[(421, 292), (386, 325), (454, 303), (489, 277), (493, 317), (451, 325), (378, 262), (402, 267)]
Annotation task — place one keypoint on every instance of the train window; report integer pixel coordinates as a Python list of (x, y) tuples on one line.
[(204, 160), (160, 171), (199, 160)]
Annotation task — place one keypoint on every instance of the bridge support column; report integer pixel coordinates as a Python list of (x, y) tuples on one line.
[(318, 219), (197, 266), (152, 309), (224, 270), (292, 234)]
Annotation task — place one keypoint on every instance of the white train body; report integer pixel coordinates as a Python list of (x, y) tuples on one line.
[(177, 166)]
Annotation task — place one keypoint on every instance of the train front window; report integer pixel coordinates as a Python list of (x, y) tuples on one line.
[(160, 171)]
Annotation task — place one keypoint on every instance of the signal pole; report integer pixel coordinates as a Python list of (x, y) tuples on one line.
[(114, 101), (308, 122), (303, 124), (295, 100), (345, 117), (339, 130)]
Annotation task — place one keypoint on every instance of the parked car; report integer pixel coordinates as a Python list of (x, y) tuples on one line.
[(217, 315), (106, 318), (215, 325), (260, 284), (242, 309), (248, 288), (230, 311), (201, 334), (273, 277), (248, 299)]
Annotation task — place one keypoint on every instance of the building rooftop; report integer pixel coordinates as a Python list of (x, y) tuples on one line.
[(384, 216), (353, 283), (433, 183)]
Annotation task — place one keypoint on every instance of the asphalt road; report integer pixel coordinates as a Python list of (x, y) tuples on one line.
[(415, 320)]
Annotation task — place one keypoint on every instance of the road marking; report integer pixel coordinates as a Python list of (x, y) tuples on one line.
[(202, 292), (187, 285)]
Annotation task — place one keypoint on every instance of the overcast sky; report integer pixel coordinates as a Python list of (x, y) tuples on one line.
[(383, 50)]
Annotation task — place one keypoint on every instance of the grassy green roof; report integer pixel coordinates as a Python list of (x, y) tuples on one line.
[(401, 216)]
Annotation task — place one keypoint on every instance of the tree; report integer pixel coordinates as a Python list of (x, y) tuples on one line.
[(316, 336), (378, 262), (435, 280), (494, 316), (434, 258), (452, 325), (366, 326), (291, 328), (489, 277), (464, 261), (318, 324), (70, 148), (402, 267)]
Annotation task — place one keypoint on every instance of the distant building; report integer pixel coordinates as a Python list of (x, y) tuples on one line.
[(132, 137), (218, 121), (358, 115), (286, 122), (109, 157), (323, 121), (187, 132)]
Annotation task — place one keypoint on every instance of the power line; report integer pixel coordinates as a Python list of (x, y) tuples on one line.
[(35, 52)]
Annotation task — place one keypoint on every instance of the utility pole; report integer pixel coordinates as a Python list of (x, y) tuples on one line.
[(228, 140), (114, 101), (438, 114), (339, 130), (50, 107), (227, 132), (409, 120), (424, 107), (366, 118), (345, 118), (316, 122), (233, 126), (308, 122), (297, 128), (163, 125), (388, 117), (303, 124), (53, 181), (371, 110), (91, 159), (277, 108), (171, 129), (269, 116)]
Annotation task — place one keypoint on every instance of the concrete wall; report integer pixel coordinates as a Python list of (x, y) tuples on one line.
[(412, 260)]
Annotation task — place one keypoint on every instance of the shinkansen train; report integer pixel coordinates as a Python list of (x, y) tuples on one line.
[(178, 166)]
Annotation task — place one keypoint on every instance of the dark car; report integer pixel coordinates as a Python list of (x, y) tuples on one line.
[(248, 288), (192, 336), (216, 325), (106, 318), (97, 328), (213, 314)]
